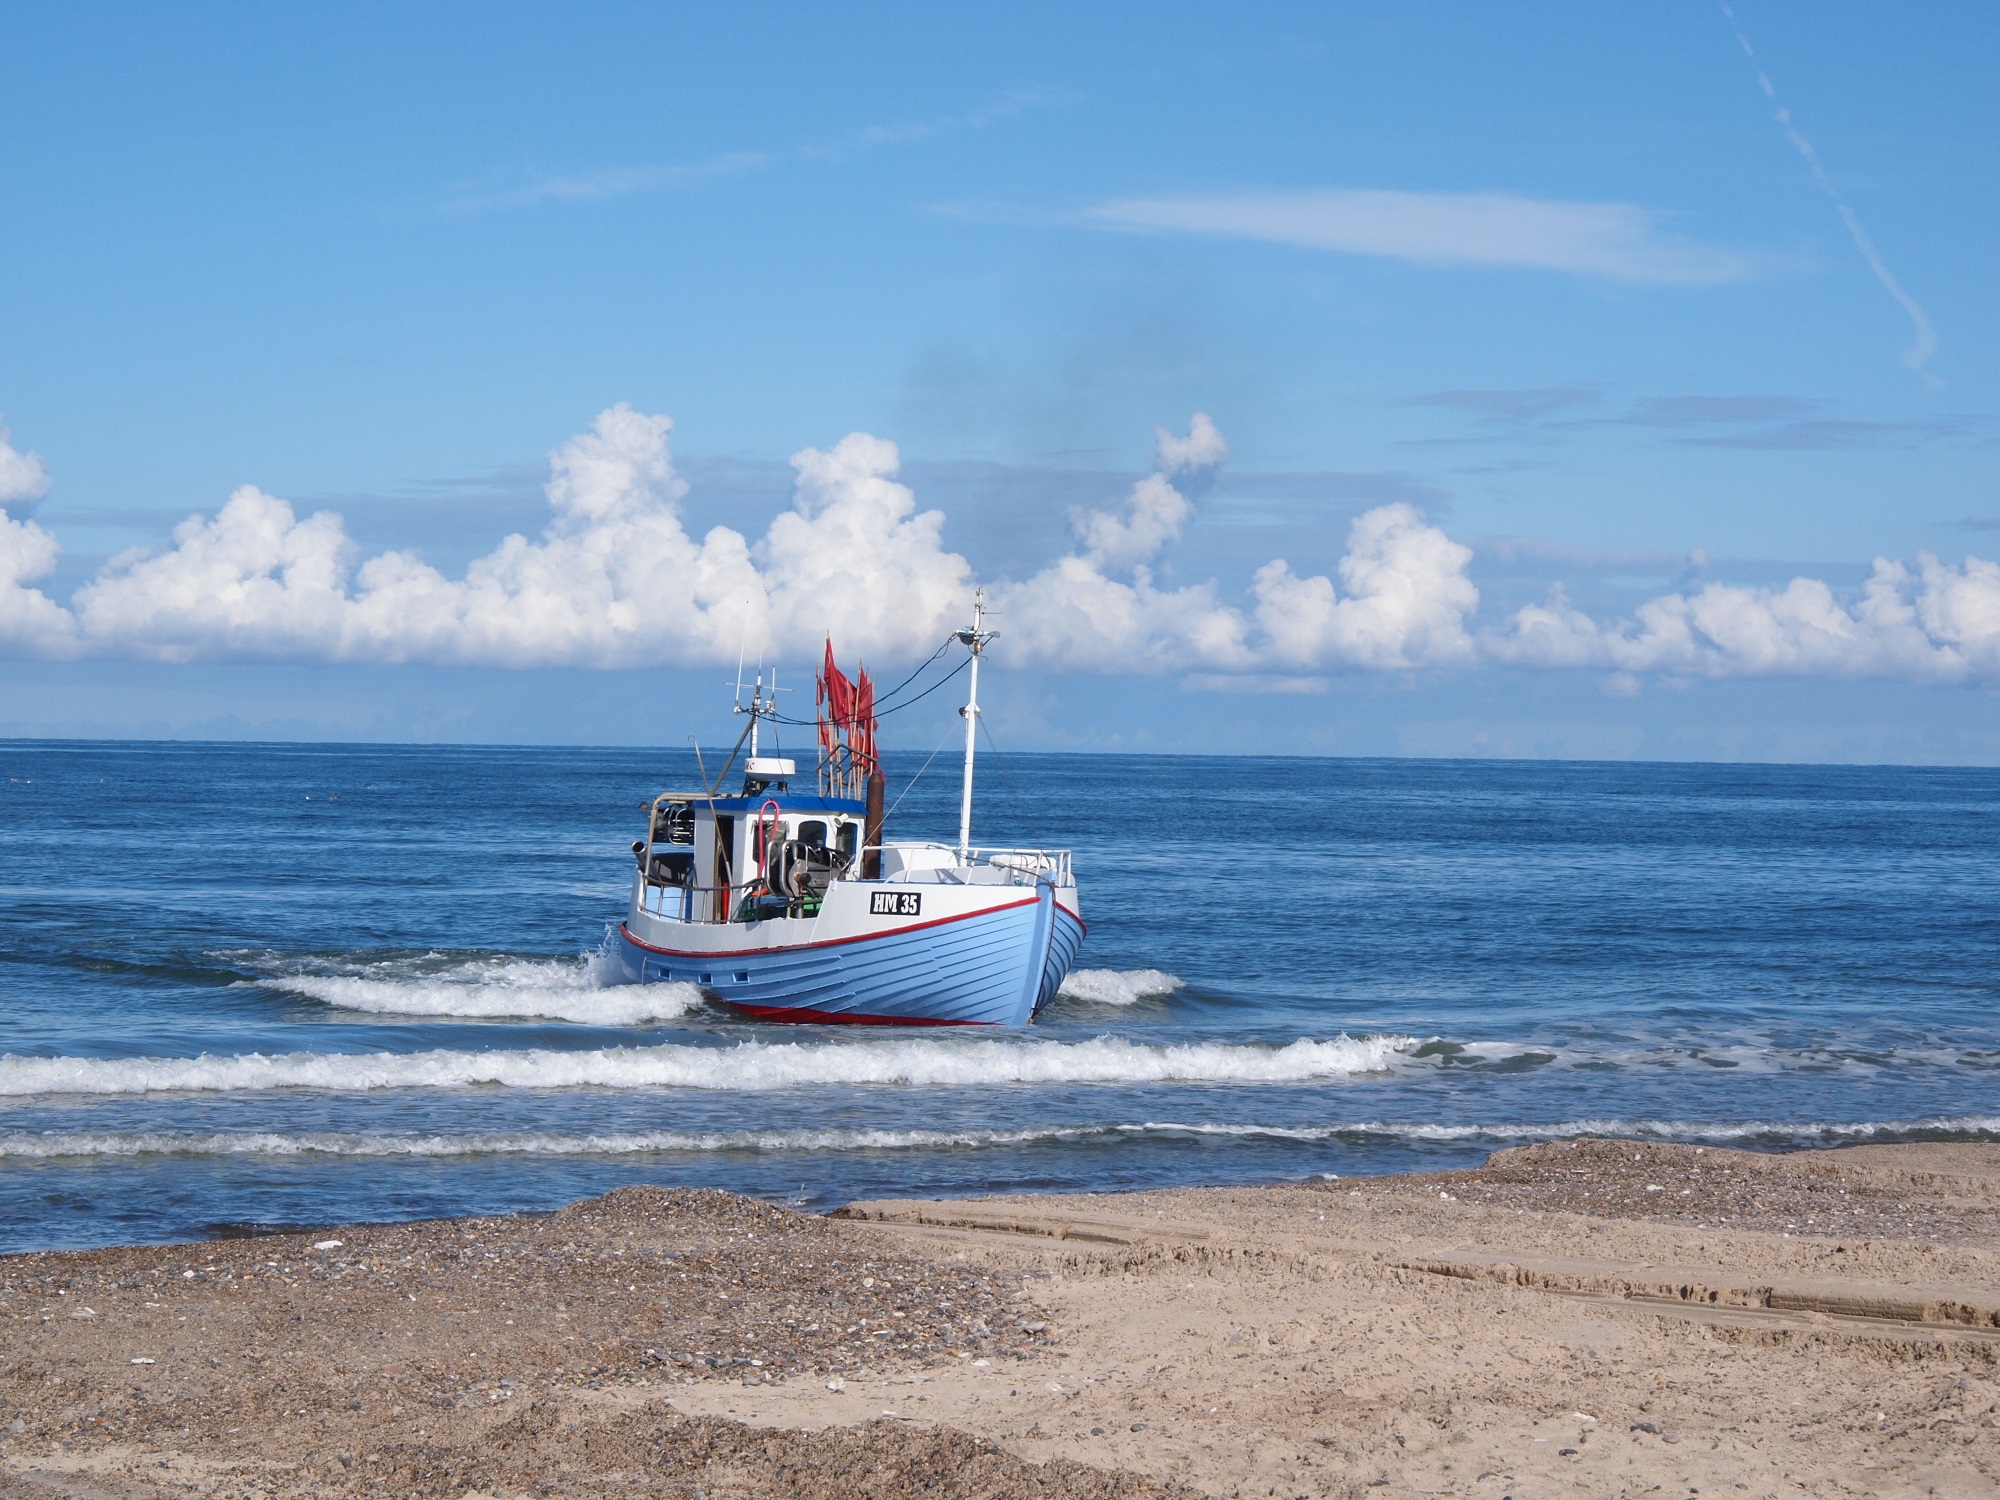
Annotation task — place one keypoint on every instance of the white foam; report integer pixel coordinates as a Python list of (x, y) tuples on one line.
[(46, 1145), (54, 1144), (753, 1066), (1959, 1126), (1118, 986), (588, 991)]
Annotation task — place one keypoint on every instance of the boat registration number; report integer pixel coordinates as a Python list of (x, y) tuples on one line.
[(895, 903)]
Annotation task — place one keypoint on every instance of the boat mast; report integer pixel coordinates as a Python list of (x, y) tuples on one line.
[(756, 705), (761, 704), (976, 639)]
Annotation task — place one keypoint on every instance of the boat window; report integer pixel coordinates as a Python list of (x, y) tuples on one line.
[(813, 832), (849, 837)]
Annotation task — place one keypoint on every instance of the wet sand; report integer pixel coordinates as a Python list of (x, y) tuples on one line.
[(1596, 1318)]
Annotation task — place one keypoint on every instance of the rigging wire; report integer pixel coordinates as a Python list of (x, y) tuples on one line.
[(948, 733), (946, 646), (880, 709), (907, 702), (881, 712)]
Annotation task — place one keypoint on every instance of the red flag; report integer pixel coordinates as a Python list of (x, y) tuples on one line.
[(837, 694), (828, 734), (862, 736), (846, 715), (839, 691)]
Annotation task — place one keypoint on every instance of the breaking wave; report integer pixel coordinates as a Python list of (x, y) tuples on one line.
[(589, 991), (1795, 1132), (1118, 986), (54, 1144), (752, 1066)]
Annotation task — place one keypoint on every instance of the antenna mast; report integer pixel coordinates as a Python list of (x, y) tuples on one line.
[(755, 710), (763, 704), (976, 639)]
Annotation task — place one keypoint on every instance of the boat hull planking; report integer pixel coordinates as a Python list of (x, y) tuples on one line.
[(996, 960)]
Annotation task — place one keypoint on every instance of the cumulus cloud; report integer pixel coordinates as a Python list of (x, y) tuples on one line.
[(616, 580), (28, 554), (1080, 612), (1407, 599), (1401, 602), (1155, 511), (1936, 623), (30, 621), (1203, 449), (24, 478), (1154, 515)]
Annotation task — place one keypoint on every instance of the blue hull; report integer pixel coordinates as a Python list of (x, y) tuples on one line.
[(994, 968), (1064, 943)]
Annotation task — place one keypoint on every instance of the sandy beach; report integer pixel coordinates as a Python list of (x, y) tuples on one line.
[(1590, 1318)]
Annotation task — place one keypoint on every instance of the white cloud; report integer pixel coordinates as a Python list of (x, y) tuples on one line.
[(1155, 511), (1202, 449), (31, 623), (1075, 614), (856, 559), (1937, 624), (253, 581), (24, 478), (1404, 606), (1620, 241), (1154, 514), (1406, 602), (615, 580), (620, 182)]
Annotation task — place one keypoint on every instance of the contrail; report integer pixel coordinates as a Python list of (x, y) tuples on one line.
[(1926, 336)]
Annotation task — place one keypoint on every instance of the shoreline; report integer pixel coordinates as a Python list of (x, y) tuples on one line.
[(1587, 1317)]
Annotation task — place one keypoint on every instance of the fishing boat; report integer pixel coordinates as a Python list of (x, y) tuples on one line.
[(791, 905)]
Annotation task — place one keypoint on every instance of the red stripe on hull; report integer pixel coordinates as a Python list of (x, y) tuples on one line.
[(806, 1015)]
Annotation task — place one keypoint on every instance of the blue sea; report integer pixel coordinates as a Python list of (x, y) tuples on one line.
[(302, 985)]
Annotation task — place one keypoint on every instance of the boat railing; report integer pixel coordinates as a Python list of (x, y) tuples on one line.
[(697, 903), (1029, 862), (1023, 866), (692, 902)]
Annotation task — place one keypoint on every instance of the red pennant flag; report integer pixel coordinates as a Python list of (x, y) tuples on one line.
[(864, 718), (839, 696), (828, 733), (846, 715)]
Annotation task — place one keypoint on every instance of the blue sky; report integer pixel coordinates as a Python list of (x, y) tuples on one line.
[(1558, 279)]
